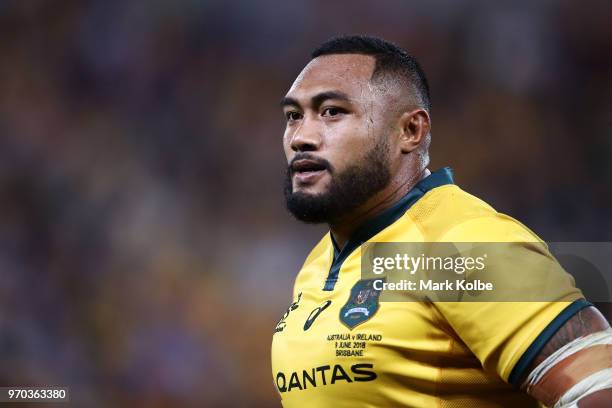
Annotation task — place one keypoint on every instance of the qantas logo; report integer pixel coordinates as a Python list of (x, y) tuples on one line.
[(324, 375)]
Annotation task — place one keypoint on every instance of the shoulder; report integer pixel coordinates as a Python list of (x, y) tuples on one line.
[(317, 262), (321, 249), (449, 213)]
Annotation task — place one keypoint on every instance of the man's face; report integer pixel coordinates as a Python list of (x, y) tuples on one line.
[(336, 139)]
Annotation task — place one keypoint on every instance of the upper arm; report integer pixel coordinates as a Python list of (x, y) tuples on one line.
[(533, 296), (571, 369), (513, 339)]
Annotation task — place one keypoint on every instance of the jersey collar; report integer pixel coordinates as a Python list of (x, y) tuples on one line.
[(383, 220)]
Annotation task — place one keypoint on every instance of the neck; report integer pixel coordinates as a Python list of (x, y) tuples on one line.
[(343, 229)]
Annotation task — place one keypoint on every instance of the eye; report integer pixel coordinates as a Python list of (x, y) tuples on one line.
[(293, 115), (332, 111)]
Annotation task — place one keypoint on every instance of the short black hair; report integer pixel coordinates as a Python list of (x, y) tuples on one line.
[(390, 59)]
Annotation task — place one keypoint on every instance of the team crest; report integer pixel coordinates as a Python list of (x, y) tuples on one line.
[(362, 304)]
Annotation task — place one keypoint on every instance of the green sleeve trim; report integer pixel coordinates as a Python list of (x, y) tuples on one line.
[(534, 349)]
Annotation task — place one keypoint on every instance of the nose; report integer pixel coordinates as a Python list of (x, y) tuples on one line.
[(306, 138)]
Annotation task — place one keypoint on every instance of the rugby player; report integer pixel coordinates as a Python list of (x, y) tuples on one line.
[(356, 141)]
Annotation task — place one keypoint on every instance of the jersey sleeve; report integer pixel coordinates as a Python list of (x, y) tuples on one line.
[(506, 335)]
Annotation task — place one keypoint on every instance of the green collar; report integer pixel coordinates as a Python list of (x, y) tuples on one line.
[(383, 220)]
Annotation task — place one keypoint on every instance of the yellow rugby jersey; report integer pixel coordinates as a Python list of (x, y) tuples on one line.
[(337, 345)]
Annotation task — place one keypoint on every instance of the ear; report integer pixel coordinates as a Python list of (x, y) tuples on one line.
[(413, 126)]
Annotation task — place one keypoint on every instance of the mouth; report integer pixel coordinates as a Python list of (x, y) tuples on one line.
[(305, 166), (307, 171)]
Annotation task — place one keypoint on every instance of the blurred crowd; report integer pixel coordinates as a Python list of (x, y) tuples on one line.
[(145, 254)]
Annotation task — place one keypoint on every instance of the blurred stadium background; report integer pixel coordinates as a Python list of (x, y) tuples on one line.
[(145, 254)]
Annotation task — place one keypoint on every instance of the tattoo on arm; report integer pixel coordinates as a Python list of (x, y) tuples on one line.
[(586, 321), (553, 385)]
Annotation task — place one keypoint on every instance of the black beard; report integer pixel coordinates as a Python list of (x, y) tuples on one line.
[(347, 190)]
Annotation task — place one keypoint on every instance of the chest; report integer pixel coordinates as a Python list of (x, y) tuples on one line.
[(349, 337)]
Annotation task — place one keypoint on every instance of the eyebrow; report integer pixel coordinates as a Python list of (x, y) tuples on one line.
[(316, 100)]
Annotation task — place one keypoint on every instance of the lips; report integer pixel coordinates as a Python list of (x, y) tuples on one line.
[(307, 171), (305, 165)]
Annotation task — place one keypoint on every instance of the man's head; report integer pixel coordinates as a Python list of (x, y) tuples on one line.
[(357, 125)]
